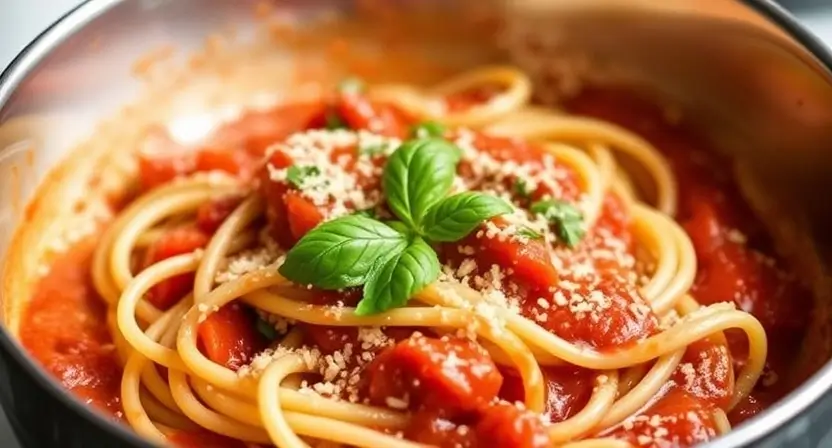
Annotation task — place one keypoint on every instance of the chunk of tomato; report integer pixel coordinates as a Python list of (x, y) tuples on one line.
[(382, 118), (273, 193), (290, 215), (529, 260), (449, 374), (158, 169), (178, 241), (677, 419), (303, 215), (704, 228), (329, 339), (255, 131), (229, 160), (229, 337), (707, 371), (567, 390), (506, 425), (754, 282), (432, 429), (211, 215)]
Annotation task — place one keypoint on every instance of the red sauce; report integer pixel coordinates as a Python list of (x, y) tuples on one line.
[(678, 418), (453, 376), (449, 384), (707, 355), (182, 240), (230, 338), (460, 101), (64, 327), (568, 389), (212, 214), (204, 439), (735, 258), (236, 148)]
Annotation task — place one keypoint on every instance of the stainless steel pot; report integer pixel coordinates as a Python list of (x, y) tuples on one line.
[(745, 71)]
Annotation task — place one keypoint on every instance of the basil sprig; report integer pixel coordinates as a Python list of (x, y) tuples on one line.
[(341, 253), (417, 175), (394, 260), (401, 276), (456, 216)]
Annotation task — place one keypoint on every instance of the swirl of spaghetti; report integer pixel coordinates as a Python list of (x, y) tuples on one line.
[(618, 309)]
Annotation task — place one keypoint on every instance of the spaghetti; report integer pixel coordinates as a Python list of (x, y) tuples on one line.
[(191, 266)]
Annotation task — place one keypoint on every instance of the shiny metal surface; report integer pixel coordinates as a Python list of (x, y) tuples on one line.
[(744, 71)]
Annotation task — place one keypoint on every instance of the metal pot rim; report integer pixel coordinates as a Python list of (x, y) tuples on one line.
[(797, 402)]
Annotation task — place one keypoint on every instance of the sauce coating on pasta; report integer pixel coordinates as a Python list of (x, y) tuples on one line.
[(538, 317)]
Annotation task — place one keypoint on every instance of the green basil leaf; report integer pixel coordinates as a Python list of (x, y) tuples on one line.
[(456, 216), (399, 278), (567, 219), (427, 129), (417, 175), (296, 175), (367, 213), (400, 227), (341, 253), (266, 329)]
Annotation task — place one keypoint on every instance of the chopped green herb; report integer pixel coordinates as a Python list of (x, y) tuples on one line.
[(372, 150), (394, 260), (297, 175), (428, 129), (266, 329), (566, 218), (334, 121), (521, 188), (529, 233), (351, 86)]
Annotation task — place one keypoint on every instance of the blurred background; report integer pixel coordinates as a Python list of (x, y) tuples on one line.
[(22, 20)]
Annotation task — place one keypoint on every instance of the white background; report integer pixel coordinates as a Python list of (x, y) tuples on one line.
[(22, 20)]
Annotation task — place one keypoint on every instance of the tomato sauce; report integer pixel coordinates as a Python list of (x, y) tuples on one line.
[(466, 99), (450, 385), (568, 389), (64, 327), (677, 418), (735, 258), (204, 439)]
